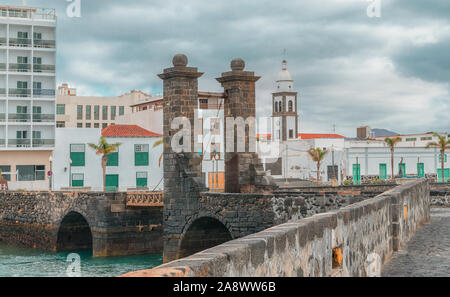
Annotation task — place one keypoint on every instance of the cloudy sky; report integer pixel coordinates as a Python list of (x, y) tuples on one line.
[(389, 72)]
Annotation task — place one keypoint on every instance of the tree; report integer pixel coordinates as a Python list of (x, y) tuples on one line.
[(157, 143), (104, 148), (443, 144), (317, 155), (391, 142)]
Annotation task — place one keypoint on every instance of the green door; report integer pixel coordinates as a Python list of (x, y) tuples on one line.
[(446, 175), (112, 182), (383, 171), (420, 170), (356, 174), (403, 169)]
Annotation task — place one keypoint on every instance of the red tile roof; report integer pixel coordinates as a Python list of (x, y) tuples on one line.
[(316, 135), (127, 131)]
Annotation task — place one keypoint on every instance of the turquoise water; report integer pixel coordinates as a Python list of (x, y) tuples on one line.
[(19, 261)]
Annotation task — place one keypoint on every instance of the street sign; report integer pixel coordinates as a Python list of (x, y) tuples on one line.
[(49, 173)]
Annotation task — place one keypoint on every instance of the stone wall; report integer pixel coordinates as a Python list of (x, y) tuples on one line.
[(33, 219), (336, 243), (440, 194)]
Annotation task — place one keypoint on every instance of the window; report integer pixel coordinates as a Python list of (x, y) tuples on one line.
[(290, 105), (22, 35), (37, 35), (60, 124), (111, 182), (141, 155), (88, 112), (4, 170), (36, 134), (291, 133), (77, 180), (79, 125), (113, 159), (79, 112), (96, 113), (30, 172), (61, 109), (426, 138), (105, 113), (37, 85), (104, 125), (411, 139), (113, 113), (96, 125), (141, 179), (445, 158), (215, 150), (203, 103), (121, 110), (77, 152), (280, 107), (88, 125), (22, 84)]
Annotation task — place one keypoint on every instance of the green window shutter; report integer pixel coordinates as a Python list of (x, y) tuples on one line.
[(357, 174), (77, 154), (420, 169), (383, 171), (141, 179), (77, 180), (141, 155), (113, 159), (112, 182), (445, 158)]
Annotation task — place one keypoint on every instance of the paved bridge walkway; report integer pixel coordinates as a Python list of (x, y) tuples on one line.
[(427, 253)]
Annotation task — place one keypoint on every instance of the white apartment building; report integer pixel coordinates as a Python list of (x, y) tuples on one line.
[(134, 166), (27, 95)]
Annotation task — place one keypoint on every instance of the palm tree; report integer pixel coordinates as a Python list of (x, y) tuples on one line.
[(391, 142), (157, 143), (317, 155), (104, 148), (443, 144)]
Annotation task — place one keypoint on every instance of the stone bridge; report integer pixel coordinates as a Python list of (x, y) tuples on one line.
[(110, 224)]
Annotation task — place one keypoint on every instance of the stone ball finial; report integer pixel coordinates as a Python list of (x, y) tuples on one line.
[(180, 60), (237, 64)]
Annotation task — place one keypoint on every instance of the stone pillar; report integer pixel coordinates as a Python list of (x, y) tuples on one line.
[(182, 171), (240, 167)]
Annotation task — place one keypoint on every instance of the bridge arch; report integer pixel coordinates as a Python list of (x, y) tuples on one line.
[(202, 233), (74, 233)]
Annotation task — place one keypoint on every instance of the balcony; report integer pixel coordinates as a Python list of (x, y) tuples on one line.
[(43, 142), (40, 118), (19, 117), (19, 67), (43, 93), (2, 117), (19, 92), (44, 43), (43, 68), (3, 41), (28, 13), (2, 92), (20, 42), (19, 143), (2, 66)]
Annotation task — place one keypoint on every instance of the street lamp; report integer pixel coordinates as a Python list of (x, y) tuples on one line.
[(70, 172)]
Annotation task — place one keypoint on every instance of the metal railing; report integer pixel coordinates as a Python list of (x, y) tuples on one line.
[(19, 143), (21, 42), (43, 142), (43, 92), (44, 43), (19, 67), (28, 13), (19, 92), (19, 117), (44, 68), (39, 117)]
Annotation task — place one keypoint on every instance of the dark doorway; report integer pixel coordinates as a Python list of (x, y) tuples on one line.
[(203, 234), (74, 233)]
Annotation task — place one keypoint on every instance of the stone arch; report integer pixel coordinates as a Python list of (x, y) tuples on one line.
[(203, 232), (74, 233)]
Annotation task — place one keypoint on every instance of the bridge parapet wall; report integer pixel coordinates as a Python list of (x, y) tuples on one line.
[(342, 242)]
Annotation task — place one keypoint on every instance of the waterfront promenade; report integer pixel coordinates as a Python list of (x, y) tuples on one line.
[(427, 254)]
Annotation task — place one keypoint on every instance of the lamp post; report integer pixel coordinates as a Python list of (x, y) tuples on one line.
[(50, 178), (70, 173)]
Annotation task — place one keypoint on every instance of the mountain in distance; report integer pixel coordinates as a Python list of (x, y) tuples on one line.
[(382, 133)]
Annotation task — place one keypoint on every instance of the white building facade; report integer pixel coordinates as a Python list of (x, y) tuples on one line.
[(133, 167), (27, 95)]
